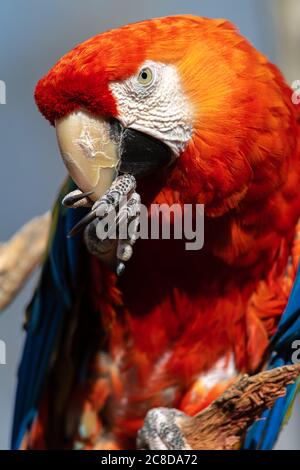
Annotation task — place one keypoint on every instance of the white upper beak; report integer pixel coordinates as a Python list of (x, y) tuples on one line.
[(89, 151)]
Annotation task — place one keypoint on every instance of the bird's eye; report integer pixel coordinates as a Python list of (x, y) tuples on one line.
[(145, 76)]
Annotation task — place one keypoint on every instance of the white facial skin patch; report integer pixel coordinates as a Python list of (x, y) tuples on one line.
[(153, 102)]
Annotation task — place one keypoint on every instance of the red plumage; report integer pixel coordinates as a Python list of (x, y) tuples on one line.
[(176, 313)]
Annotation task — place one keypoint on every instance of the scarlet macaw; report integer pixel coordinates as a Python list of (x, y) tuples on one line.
[(212, 122)]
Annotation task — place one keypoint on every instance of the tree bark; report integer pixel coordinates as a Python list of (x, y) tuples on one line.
[(223, 425), (20, 256)]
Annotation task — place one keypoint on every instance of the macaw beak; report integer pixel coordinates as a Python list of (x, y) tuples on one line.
[(89, 150), (95, 149)]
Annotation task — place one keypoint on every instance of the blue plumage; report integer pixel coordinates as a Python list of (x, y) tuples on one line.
[(264, 433), (51, 302)]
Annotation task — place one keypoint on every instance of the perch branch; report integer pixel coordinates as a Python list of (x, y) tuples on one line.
[(222, 426), (20, 256)]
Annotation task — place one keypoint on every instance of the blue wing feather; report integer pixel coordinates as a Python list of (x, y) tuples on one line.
[(51, 301), (264, 433)]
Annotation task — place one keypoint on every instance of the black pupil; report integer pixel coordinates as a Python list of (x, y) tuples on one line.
[(144, 75)]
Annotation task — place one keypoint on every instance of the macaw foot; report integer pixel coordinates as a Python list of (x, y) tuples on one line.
[(161, 430), (112, 224)]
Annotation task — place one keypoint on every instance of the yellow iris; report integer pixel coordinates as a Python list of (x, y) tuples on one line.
[(145, 76)]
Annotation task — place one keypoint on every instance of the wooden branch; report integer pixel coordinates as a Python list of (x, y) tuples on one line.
[(21, 255), (222, 426)]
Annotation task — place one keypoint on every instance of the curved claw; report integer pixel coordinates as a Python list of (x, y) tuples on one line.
[(120, 268), (71, 199), (83, 223)]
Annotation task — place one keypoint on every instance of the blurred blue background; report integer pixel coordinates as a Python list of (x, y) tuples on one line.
[(33, 36)]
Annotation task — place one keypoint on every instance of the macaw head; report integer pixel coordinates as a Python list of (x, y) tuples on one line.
[(184, 96)]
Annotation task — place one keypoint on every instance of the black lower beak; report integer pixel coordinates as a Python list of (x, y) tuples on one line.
[(142, 154)]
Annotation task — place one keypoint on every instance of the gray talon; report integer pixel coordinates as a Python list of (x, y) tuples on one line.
[(77, 199), (120, 269), (113, 232)]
